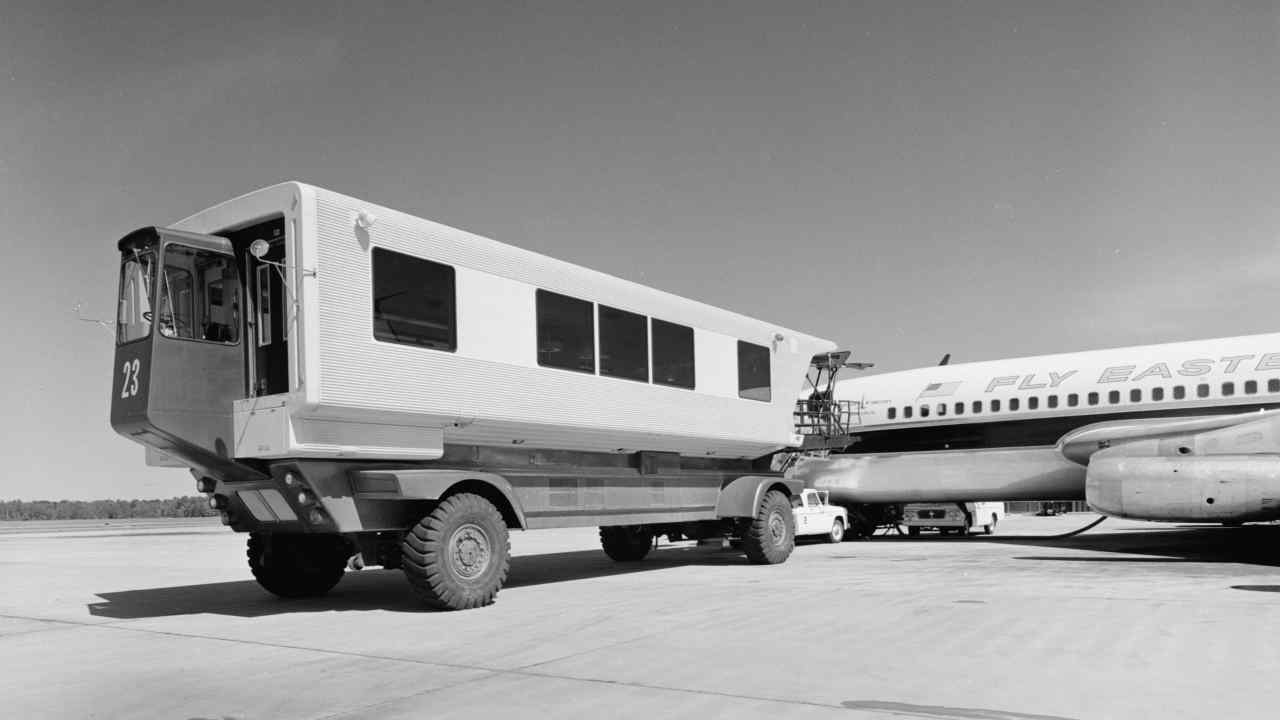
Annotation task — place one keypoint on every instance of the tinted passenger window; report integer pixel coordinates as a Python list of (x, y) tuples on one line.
[(906, 412), (1157, 394), (1073, 400), (1013, 403), (1135, 395), (1202, 390), (566, 333), (624, 344), (753, 372), (893, 413), (1093, 398), (977, 406), (1033, 403), (995, 406), (1228, 389), (1053, 401), (959, 408), (1250, 387), (672, 354), (942, 409), (1179, 392), (1113, 397), (413, 301), (924, 411), (1273, 386)]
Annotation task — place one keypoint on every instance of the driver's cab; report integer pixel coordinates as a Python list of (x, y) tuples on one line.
[(190, 340)]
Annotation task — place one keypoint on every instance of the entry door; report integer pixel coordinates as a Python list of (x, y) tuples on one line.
[(271, 321)]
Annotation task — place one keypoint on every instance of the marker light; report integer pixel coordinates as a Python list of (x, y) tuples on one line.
[(259, 248), (305, 498), (206, 485), (290, 479), (219, 502)]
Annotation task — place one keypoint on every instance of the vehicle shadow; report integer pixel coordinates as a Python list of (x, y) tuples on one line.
[(1248, 544), (377, 589)]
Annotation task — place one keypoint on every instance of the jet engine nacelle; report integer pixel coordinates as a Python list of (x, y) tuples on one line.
[(1190, 488)]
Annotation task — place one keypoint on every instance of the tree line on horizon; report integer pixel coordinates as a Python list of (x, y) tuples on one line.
[(174, 507)]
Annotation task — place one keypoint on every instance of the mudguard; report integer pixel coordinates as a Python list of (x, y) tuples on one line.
[(428, 484), (741, 496)]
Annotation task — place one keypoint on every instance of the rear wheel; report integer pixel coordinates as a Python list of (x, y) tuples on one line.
[(297, 566), (457, 557), (837, 531), (771, 536), (626, 543)]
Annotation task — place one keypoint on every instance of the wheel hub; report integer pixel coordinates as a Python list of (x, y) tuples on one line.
[(469, 551), (777, 528)]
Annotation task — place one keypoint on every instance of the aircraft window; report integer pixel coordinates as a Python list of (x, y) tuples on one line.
[(1179, 392), (906, 412), (942, 409), (754, 378), (1273, 386), (893, 413), (1113, 397), (1135, 395), (1013, 403), (1053, 401), (1202, 390), (1157, 393), (924, 411), (672, 354), (977, 406), (1093, 398), (1033, 402), (624, 344), (1228, 389), (995, 406), (566, 332), (1250, 387), (1073, 400), (413, 302), (959, 408)]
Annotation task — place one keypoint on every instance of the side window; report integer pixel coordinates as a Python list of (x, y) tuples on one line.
[(892, 413), (1093, 398), (995, 406), (1157, 394), (906, 412), (1033, 402), (1053, 401), (566, 333), (1135, 395), (413, 301), (672, 354), (924, 411), (1250, 387), (959, 408), (624, 344), (942, 409), (1073, 400), (1273, 385), (1228, 389), (1179, 392), (1113, 397), (977, 406), (1014, 403), (754, 379), (1202, 390)]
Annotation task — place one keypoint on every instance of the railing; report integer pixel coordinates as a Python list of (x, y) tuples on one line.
[(825, 418)]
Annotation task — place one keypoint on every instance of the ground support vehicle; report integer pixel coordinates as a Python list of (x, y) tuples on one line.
[(353, 385), (814, 515), (959, 518)]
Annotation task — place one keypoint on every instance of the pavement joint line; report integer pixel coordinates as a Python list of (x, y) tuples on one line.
[(491, 672)]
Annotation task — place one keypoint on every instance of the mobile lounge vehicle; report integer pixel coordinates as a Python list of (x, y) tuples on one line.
[(342, 378)]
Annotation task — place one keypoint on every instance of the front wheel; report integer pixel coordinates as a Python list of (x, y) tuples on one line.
[(837, 531), (457, 557), (297, 566), (771, 536)]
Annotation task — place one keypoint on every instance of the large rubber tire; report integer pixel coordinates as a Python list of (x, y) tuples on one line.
[(626, 543), (297, 566), (457, 557), (771, 536), (837, 531)]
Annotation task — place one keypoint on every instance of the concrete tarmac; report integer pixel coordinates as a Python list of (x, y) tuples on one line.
[(161, 619)]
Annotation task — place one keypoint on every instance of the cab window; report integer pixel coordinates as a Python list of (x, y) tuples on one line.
[(198, 296)]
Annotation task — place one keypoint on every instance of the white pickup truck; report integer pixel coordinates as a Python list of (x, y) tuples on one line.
[(816, 516)]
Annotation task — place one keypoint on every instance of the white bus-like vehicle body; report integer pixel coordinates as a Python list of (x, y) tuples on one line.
[(343, 378)]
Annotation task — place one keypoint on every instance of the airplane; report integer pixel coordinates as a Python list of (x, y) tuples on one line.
[(1176, 432)]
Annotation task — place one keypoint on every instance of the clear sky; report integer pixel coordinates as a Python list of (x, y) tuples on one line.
[(908, 179)]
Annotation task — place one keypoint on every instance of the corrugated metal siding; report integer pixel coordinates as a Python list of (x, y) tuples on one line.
[(495, 394)]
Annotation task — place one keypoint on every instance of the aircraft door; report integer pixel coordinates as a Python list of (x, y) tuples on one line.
[(270, 317)]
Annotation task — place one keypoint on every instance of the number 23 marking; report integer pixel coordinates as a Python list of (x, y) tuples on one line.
[(129, 387)]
